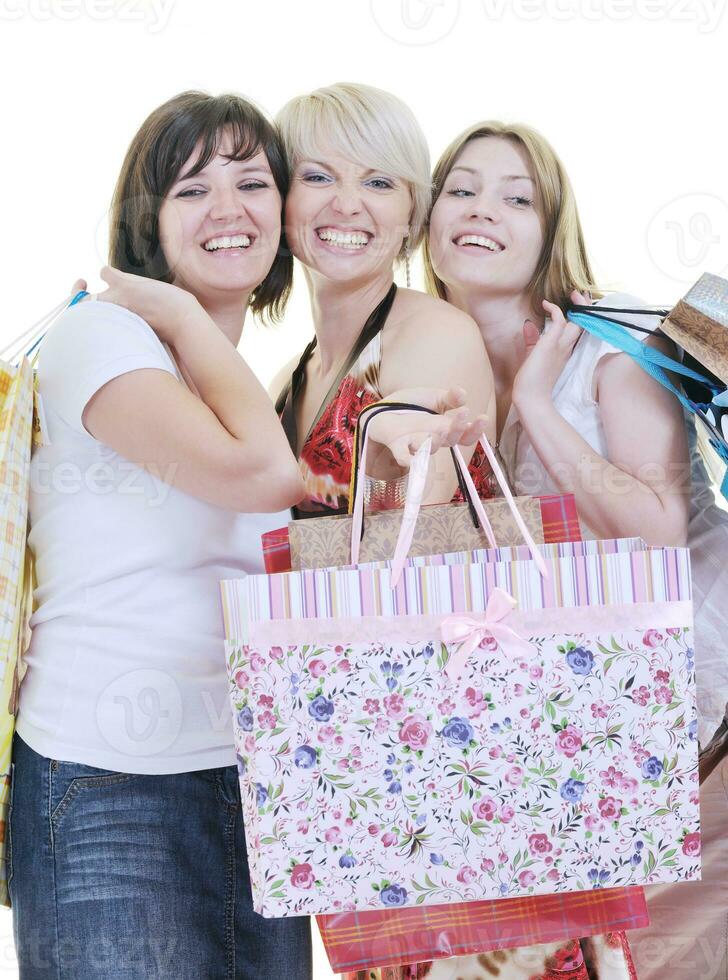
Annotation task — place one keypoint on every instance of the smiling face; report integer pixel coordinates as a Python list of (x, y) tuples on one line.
[(485, 229), (345, 221), (220, 228)]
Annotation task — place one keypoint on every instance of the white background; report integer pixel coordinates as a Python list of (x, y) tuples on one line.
[(631, 92)]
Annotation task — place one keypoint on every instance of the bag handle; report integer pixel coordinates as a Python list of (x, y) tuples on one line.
[(415, 493), (365, 417), (659, 311), (654, 362), (29, 340)]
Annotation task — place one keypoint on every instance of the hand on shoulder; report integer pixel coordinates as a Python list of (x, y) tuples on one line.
[(165, 307)]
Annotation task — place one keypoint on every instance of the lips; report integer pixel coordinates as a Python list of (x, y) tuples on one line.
[(485, 243), (350, 239), (233, 241)]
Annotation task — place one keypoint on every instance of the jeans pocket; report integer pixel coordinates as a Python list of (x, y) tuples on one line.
[(68, 780)]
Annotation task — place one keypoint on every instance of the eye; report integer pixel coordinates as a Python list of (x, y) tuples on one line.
[(381, 183), (252, 185), (460, 192), (521, 202), (191, 192), (315, 178)]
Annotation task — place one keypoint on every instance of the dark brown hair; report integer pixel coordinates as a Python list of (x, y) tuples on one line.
[(153, 162)]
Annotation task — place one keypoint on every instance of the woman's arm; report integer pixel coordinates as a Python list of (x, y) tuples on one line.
[(643, 488), (226, 447)]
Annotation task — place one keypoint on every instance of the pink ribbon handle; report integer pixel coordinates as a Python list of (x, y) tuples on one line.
[(413, 502), (521, 524), (469, 633)]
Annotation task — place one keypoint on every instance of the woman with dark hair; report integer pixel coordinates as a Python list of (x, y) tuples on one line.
[(127, 846)]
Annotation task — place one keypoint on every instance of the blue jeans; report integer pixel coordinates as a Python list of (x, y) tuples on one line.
[(130, 877)]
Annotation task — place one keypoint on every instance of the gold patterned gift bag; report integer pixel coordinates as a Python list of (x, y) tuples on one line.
[(320, 541), (699, 324), (16, 428), (20, 432)]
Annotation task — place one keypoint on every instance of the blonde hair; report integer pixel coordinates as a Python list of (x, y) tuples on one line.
[(563, 264), (367, 125)]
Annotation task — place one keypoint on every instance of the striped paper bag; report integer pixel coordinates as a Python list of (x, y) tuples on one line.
[(495, 729)]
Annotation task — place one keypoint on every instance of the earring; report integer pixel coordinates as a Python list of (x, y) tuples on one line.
[(407, 260)]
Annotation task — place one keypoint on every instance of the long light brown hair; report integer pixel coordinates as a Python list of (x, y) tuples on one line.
[(563, 264)]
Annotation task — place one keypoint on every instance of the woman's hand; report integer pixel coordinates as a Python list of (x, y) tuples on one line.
[(403, 434), (547, 354), (164, 307)]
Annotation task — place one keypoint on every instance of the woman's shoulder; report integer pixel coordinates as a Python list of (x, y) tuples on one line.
[(93, 330), (593, 354), (419, 311), (97, 314)]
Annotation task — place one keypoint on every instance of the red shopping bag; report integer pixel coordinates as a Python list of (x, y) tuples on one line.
[(354, 940)]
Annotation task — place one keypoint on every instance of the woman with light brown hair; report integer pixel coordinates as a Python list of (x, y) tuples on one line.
[(576, 415)]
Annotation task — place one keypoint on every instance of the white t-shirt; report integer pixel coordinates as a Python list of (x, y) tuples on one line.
[(126, 665), (573, 397)]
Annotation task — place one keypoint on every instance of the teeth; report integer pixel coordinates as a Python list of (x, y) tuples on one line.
[(479, 240), (344, 239), (227, 241)]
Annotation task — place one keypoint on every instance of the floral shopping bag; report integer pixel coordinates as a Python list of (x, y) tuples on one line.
[(426, 734)]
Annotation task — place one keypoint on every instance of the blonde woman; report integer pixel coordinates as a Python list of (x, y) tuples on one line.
[(575, 415), (358, 201)]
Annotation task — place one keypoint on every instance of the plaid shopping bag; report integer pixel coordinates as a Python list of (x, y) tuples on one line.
[(359, 940), (559, 520)]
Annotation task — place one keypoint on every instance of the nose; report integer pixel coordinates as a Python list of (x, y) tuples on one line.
[(484, 207), (347, 198), (226, 204)]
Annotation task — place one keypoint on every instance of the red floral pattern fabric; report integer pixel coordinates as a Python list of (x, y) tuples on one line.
[(327, 455)]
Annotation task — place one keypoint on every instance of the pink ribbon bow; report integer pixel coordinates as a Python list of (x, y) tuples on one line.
[(469, 633)]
